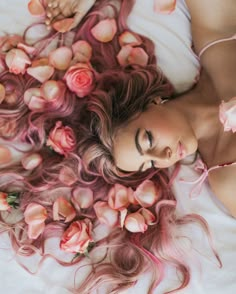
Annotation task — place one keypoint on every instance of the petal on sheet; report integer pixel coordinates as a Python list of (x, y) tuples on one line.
[(36, 8), (34, 230), (63, 25), (164, 6), (41, 73), (60, 58), (105, 30)]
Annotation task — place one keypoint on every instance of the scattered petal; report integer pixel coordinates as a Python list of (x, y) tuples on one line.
[(82, 198), (36, 8), (128, 38), (105, 30), (17, 61), (31, 161), (123, 55), (138, 56), (52, 90), (227, 115), (2, 93), (33, 99), (60, 58), (67, 176), (135, 223), (63, 210), (26, 48), (105, 214), (118, 197), (41, 73), (148, 216), (147, 194), (164, 6), (5, 155), (82, 51)]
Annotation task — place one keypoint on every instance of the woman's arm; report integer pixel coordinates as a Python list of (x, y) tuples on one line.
[(213, 20)]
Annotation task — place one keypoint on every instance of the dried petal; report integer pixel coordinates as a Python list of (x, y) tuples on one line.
[(60, 58), (41, 73), (31, 161), (82, 198), (36, 8), (105, 30), (164, 6)]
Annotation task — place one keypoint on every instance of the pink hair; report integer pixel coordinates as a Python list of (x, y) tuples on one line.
[(120, 94)]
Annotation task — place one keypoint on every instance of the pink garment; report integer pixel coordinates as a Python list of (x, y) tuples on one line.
[(216, 42)]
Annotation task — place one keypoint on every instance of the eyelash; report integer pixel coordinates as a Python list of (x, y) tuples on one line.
[(150, 139)]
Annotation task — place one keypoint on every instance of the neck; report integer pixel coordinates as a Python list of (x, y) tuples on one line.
[(200, 106)]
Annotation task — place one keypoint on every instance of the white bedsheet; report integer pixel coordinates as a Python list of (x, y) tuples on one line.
[(181, 66)]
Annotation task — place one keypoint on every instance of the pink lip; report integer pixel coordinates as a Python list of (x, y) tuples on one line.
[(181, 151)]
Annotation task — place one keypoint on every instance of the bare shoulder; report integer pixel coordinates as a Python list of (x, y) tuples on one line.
[(212, 19), (223, 184)]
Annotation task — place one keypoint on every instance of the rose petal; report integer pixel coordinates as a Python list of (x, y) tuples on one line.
[(148, 216), (105, 214), (36, 8), (5, 155), (128, 38), (105, 30), (123, 214), (41, 73), (63, 25), (118, 197), (62, 209), (67, 176), (31, 161), (17, 60), (227, 115), (2, 93), (123, 55), (52, 89), (82, 51), (33, 99), (60, 58), (34, 230), (135, 223), (26, 48), (138, 56), (82, 198), (35, 214), (164, 6), (147, 194)]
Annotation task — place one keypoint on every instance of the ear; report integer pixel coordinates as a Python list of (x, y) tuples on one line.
[(157, 100)]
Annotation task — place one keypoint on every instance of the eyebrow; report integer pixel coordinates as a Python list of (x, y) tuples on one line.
[(139, 148)]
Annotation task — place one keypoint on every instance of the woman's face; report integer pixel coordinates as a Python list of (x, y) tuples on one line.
[(158, 137)]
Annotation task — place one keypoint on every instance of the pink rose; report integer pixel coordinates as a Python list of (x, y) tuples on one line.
[(17, 61), (77, 237), (227, 115), (61, 139), (35, 216), (118, 197), (79, 79), (146, 193), (3, 201), (135, 223), (63, 210)]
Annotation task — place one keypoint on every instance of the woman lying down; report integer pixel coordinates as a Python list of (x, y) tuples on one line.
[(96, 130)]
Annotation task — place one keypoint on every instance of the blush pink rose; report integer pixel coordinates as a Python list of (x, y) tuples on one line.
[(3, 201), (227, 115), (77, 237), (17, 61), (61, 139), (79, 79)]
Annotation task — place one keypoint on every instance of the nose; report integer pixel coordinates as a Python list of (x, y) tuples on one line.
[(164, 154)]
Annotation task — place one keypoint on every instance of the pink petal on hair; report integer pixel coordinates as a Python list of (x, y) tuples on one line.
[(128, 38), (105, 30), (135, 223), (17, 60), (123, 55), (5, 155), (63, 25), (33, 99), (35, 230), (67, 176), (36, 8), (138, 56), (146, 193), (31, 161), (35, 214), (164, 6), (2, 65), (118, 197), (41, 73), (60, 58), (148, 216), (123, 214), (82, 198), (105, 214), (2, 93), (52, 89), (62, 209), (82, 51)]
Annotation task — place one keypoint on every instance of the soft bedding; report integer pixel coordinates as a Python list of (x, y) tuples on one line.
[(171, 34)]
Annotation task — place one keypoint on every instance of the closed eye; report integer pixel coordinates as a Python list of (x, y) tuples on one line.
[(150, 138)]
